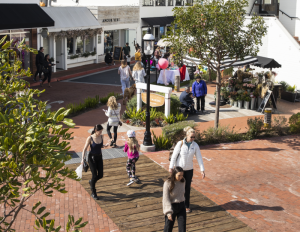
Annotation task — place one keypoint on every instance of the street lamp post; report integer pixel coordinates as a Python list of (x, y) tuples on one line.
[(148, 45)]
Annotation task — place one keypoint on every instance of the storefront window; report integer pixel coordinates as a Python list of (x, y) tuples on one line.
[(179, 2), (170, 2), (17, 36), (111, 39), (148, 3), (162, 31), (79, 45), (160, 2), (70, 46), (189, 2), (89, 44)]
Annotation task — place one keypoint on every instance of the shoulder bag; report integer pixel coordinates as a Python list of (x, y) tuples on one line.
[(178, 154)]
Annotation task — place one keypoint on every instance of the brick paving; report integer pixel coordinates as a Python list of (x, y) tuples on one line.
[(257, 181)]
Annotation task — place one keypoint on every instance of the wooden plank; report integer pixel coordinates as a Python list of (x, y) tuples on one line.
[(139, 207)]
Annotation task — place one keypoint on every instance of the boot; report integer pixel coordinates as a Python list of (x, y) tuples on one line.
[(94, 194)]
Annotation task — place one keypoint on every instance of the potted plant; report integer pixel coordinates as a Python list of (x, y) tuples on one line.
[(247, 102), (232, 97), (240, 101), (254, 97), (288, 92)]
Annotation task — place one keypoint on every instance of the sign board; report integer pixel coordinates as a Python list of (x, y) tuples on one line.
[(156, 100), (117, 53), (264, 101)]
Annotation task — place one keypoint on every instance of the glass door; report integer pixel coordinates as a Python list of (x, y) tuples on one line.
[(268, 7)]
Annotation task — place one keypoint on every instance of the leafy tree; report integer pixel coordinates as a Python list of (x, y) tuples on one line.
[(33, 142), (216, 29)]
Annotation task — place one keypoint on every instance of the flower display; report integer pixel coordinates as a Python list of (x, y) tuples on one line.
[(77, 33)]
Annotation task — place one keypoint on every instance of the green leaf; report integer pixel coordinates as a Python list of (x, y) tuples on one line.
[(51, 226), (81, 225), (41, 210), (57, 229), (37, 223), (78, 221), (6, 45), (45, 215)]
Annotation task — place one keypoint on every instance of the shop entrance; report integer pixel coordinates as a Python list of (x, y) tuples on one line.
[(60, 56)]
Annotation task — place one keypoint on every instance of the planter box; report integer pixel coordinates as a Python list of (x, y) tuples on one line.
[(288, 96), (235, 104), (247, 105), (80, 59), (240, 104)]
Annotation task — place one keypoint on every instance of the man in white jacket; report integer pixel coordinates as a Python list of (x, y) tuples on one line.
[(182, 156)]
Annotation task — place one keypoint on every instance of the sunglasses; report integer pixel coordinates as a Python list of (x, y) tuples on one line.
[(192, 137)]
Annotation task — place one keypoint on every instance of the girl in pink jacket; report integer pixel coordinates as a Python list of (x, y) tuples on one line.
[(132, 148)]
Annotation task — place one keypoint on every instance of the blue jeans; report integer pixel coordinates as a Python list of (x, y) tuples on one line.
[(125, 84)]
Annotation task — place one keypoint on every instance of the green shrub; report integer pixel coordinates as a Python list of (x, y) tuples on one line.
[(220, 135), (284, 85), (104, 100), (175, 131), (206, 76), (91, 102), (161, 142), (255, 127), (291, 88), (294, 122), (180, 117), (170, 119), (132, 103), (280, 125)]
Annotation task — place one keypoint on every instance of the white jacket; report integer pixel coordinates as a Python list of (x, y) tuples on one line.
[(185, 156), (113, 116)]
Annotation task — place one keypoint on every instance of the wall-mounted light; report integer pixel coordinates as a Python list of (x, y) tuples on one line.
[(44, 32)]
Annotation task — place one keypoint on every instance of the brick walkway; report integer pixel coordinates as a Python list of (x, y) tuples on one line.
[(257, 181)]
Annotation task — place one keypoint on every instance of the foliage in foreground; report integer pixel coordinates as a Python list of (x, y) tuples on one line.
[(161, 142), (33, 141)]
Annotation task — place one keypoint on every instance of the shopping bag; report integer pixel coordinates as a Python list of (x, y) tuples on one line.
[(79, 171)]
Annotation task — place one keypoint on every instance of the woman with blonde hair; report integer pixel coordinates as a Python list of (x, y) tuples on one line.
[(113, 114), (138, 73), (124, 72), (182, 156)]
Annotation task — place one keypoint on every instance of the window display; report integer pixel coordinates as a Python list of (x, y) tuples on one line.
[(79, 45), (70, 46), (111, 39), (89, 44)]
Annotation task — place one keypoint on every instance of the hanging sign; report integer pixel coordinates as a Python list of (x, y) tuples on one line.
[(156, 100)]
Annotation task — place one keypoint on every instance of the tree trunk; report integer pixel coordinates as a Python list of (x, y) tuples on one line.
[(218, 99), (209, 73)]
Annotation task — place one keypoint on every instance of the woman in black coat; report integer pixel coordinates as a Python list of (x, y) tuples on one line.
[(108, 59), (47, 70)]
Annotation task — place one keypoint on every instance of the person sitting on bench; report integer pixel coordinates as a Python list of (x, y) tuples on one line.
[(108, 59), (187, 100)]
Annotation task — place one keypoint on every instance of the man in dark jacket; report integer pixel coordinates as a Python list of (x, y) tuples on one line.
[(187, 100), (199, 91), (39, 62)]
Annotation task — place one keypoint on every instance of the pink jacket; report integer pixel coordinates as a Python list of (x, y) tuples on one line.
[(129, 153)]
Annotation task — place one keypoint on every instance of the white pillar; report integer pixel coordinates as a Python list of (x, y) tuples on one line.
[(65, 52), (139, 99), (167, 104), (96, 47), (53, 40)]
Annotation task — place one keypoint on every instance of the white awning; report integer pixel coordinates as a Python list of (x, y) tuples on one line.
[(227, 62), (70, 18)]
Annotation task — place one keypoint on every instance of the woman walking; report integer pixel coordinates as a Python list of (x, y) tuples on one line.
[(48, 70), (124, 72), (138, 73), (113, 114), (182, 156), (95, 157), (173, 200)]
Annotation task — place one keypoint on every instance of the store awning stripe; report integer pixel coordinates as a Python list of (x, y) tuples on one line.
[(19, 16)]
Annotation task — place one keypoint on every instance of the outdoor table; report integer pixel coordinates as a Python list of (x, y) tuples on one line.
[(170, 76)]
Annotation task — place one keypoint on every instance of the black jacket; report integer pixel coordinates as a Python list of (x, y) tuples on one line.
[(108, 59), (39, 60), (46, 65)]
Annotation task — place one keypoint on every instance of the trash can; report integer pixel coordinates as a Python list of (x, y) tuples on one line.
[(177, 83), (268, 117)]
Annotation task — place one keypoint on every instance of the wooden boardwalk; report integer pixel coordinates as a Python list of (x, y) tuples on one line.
[(139, 207)]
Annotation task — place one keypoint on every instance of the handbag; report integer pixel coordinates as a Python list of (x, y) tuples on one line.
[(120, 123), (85, 166), (178, 154), (45, 70)]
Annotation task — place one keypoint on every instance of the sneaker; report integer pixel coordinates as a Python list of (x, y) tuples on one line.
[(114, 145), (94, 196), (130, 182), (136, 180), (111, 143)]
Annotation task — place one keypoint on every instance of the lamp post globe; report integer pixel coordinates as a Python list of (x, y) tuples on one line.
[(148, 46)]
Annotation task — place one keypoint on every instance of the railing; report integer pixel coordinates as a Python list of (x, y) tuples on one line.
[(252, 7), (288, 15)]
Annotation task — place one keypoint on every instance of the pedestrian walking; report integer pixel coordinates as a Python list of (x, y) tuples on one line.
[(47, 70), (108, 59), (138, 73), (113, 114), (39, 62), (132, 148), (173, 200), (126, 50), (138, 55), (182, 156), (199, 90), (95, 160), (124, 72)]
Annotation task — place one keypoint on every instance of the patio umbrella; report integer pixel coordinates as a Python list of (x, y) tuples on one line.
[(265, 62)]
